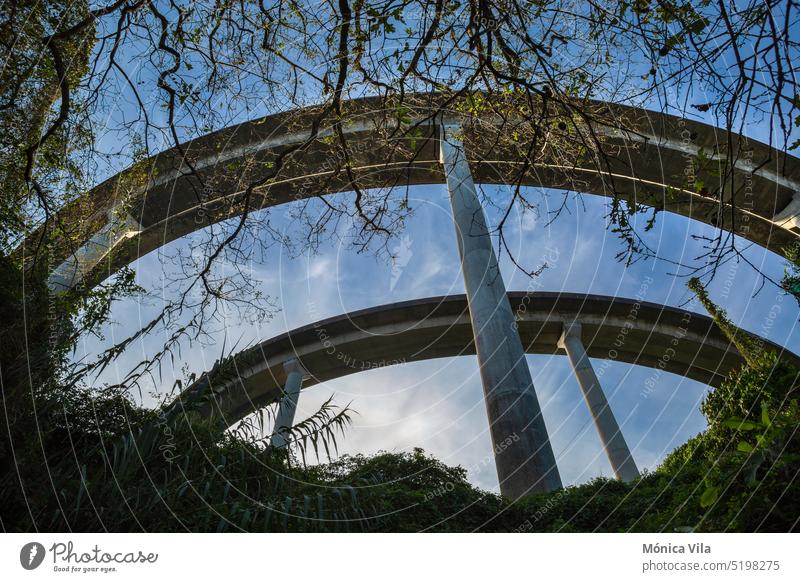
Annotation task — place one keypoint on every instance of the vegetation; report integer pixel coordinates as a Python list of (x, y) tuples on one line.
[(791, 276), (112, 466)]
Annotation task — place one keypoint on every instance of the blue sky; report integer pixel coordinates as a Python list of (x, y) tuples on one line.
[(438, 404)]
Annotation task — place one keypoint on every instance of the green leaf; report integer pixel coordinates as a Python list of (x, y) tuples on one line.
[(765, 415), (403, 115), (740, 424), (709, 496), (699, 186), (414, 137), (745, 447)]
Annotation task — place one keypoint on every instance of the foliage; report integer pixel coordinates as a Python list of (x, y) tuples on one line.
[(752, 449), (116, 467), (791, 275), (110, 465)]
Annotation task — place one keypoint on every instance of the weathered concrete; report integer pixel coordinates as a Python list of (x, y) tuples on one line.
[(523, 456), (287, 408), (615, 329), (619, 455), (160, 201)]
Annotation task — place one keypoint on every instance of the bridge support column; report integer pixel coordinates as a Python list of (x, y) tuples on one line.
[(610, 434), (288, 405), (523, 455)]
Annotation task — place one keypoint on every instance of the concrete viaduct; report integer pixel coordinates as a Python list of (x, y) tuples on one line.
[(677, 341), (186, 188), (650, 159)]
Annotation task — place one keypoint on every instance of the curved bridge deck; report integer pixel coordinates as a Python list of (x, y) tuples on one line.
[(651, 159), (618, 329)]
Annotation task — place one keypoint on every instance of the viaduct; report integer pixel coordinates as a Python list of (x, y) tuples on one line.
[(651, 156)]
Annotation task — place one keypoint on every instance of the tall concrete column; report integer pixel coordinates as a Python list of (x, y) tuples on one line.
[(613, 442), (523, 456), (288, 405)]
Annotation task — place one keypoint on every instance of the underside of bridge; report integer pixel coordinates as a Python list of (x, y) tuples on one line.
[(614, 329), (650, 159)]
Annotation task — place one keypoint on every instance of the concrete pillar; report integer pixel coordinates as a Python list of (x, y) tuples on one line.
[(288, 405), (613, 442), (523, 456)]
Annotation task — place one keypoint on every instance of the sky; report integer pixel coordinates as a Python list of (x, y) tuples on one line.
[(438, 404)]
